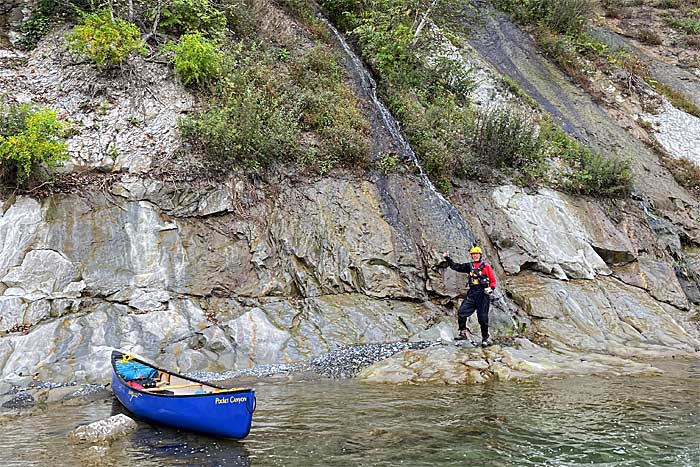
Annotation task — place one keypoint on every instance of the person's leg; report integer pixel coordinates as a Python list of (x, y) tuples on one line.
[(466, 309), (482, 313)]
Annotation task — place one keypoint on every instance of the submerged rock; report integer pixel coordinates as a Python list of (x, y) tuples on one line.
[(103, 431)]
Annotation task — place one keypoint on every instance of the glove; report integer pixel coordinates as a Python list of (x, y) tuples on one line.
[(488, 290)]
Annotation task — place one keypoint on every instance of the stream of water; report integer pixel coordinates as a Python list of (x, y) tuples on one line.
[(367, 86), (610, 421)]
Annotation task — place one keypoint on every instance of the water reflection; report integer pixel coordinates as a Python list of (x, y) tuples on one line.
[(615, 421), (175, 448)]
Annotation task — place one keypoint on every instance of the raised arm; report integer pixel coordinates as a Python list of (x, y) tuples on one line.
[(459, 267)]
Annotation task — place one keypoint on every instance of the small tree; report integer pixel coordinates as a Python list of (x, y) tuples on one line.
[(105, 40), (30, 136)]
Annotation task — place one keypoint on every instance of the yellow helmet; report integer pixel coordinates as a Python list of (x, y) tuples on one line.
[(475, 249)]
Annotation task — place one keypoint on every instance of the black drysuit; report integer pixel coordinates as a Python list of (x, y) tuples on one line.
[(476, 300)]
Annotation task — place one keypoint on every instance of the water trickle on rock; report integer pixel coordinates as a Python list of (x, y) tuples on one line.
[(367, 86)]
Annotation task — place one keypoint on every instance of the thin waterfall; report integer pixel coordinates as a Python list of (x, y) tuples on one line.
[(369, 86)]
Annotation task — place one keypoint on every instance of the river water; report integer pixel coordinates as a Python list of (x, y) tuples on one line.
[(611, 421)]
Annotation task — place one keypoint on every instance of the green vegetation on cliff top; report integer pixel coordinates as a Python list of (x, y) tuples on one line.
[(269, 98)]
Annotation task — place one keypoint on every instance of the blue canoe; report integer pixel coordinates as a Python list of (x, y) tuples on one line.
[(181, 402)]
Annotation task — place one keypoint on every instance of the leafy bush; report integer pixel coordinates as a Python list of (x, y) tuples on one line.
[(30, 136), (389, 163), (593, 174), (328, 108), (103, 40), (253, 129), (265, 108), (197, 60), (562, 16), (344, 13), (583, 171), (437, 129), (32, 30), (193, 16), (249, 119), (501, 139), (385, 37)]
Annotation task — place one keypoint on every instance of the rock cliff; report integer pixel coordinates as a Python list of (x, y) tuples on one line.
[(234, 272)]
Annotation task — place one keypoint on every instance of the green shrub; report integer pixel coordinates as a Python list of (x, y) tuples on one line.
[(253, 128), (385, 36), (197, 60), (593, 174), (582, 171), (265, 108), (103, 40), (344, 13), (329, 108), (562, 16), (689, 25), (249, 118), (502, 139), (30, 136), (32, 30), (389, 163), (193, 16), (436, 128)]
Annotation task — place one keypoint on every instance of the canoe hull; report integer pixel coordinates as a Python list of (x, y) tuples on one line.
[(228, 414)]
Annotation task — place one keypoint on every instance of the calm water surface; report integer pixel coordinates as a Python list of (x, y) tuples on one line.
[(615, 421)]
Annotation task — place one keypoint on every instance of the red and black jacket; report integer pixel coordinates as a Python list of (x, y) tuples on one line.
[(480, 273)]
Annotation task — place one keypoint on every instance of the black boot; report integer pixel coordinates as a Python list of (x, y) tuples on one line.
[(462, 336)]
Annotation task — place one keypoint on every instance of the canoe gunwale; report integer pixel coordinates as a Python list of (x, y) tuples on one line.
[(116, 355)]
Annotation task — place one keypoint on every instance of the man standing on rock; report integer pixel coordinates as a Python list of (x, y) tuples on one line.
[(481, 284)]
